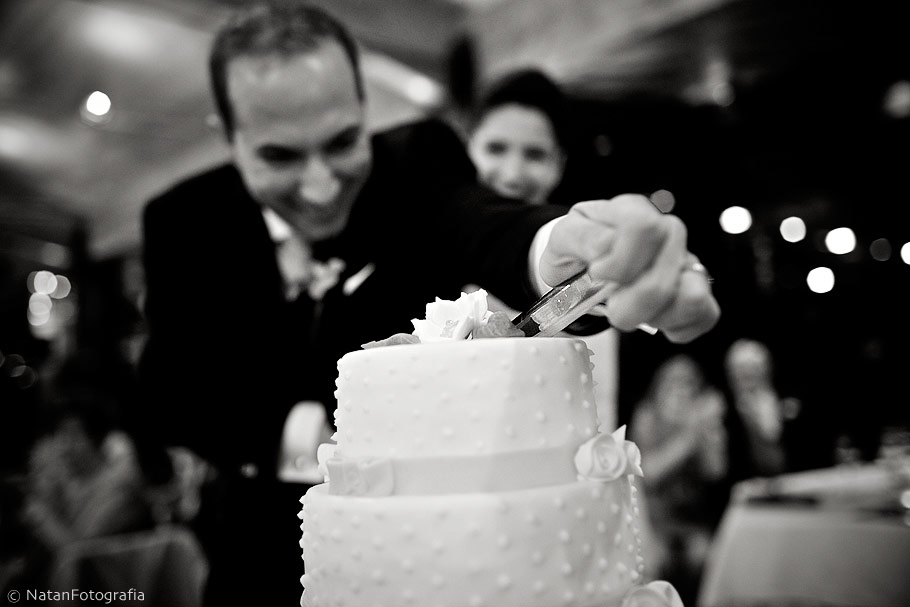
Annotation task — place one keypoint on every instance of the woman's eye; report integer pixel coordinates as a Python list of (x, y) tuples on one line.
[(535, 154), (496, 148)]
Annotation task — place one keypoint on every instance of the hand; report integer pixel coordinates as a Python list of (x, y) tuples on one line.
[(627, 241)]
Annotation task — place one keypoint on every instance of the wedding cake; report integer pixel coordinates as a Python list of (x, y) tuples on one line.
[(469, 473)]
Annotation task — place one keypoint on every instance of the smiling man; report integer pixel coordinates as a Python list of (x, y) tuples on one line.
[(319, 237)]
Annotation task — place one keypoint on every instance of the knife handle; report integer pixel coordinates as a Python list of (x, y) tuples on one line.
[(564, 304)]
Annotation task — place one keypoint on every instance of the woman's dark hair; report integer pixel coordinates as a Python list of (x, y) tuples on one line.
[(283, 28), (529, 88)]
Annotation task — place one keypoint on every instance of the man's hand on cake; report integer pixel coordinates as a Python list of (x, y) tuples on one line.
[(627, 241)]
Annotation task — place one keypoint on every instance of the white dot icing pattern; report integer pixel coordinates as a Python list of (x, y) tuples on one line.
[(527, 547), (502, 389), (576, 544)]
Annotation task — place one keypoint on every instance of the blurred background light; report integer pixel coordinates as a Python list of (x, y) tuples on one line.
[(820, 280), (880, 249), (39, 304), (793, 229), (63, 287), (897, 99), (905, 253), (44, 282), (840, 241), (14, 140), (663, 200), (735, 220), (98, 104), (422, 91), (722, 94)]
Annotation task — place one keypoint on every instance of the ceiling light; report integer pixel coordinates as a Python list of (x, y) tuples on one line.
[(98, 104), (880, 249), (793, 229), (820, 280), (735, 220), (840, 241)]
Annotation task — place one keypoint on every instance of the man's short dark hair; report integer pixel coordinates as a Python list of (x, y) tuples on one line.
[(283, 28)]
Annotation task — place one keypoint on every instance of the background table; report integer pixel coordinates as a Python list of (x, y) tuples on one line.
[(836, 537)]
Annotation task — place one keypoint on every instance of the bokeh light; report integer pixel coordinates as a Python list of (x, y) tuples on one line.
[(820, 280), (840, 241), (43, 282), (880, 249), (663, 200), (39, 304), (905, 253), (793, 229), (63, 287), (98, 104), (897, 99), (735, 220)]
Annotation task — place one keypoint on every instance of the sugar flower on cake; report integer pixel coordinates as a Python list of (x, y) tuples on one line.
[(653, 594), (606, 457), (451, 320)]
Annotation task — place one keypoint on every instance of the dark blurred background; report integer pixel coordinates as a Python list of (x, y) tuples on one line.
[(784, 108)]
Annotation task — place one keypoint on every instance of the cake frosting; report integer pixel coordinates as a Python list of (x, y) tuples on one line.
[(471, 473)]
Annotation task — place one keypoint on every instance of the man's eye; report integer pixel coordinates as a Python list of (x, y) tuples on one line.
[(278, 155), (342, 143)]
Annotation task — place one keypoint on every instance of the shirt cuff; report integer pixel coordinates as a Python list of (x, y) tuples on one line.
[(541, 239), (536, 252)]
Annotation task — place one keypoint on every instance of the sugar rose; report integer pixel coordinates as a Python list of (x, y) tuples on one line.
[(448, 320), (653, 594), (601, 458)]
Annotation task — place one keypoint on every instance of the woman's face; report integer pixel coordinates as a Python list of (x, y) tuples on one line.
[(516, 153)]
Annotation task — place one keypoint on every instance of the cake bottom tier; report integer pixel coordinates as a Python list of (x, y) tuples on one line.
[(575, 545)]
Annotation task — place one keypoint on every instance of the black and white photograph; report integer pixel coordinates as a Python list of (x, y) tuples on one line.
[(455, 303)]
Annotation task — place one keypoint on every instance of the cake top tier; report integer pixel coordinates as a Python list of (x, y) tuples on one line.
[(474, 397)]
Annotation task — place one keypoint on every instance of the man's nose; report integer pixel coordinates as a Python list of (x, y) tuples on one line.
[(318, 183)]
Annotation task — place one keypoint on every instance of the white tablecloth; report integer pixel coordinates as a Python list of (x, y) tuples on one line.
[(840, 548)]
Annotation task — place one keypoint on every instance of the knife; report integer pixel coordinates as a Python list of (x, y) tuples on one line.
[(564, 304)]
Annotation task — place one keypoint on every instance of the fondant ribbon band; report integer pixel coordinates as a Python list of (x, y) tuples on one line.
[(604, 457), (456, 474)]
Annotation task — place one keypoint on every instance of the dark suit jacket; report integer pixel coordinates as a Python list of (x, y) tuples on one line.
[(228, 357)]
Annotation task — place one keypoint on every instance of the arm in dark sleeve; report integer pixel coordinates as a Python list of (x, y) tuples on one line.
[(210, 368), (474, 235), (484, 238)]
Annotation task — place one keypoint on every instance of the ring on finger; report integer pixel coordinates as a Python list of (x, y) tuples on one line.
[(697, 266)]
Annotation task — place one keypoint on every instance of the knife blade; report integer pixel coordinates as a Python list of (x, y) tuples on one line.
[(564, 304)]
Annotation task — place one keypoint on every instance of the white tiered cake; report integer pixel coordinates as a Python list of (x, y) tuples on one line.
[(471, 473)]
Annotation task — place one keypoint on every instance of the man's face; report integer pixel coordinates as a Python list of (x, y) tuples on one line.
[(299, 141)]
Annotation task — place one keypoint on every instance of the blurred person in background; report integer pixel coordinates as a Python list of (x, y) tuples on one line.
[(319, 237), (679, 426), (83, 479), (761, 420), (519, 137)]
